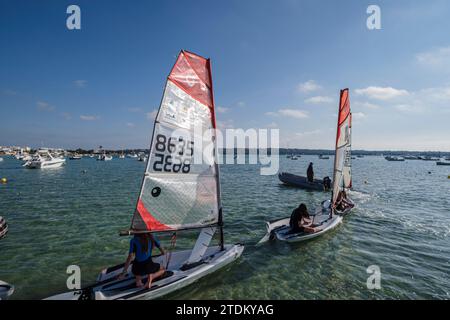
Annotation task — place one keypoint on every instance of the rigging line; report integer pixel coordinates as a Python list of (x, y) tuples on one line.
[(173, 241)]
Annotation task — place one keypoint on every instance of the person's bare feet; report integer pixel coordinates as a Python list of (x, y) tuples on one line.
[(149, 282)]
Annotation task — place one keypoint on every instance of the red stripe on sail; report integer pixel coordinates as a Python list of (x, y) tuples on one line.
[(344, 111), (191, 73), (150, 221)]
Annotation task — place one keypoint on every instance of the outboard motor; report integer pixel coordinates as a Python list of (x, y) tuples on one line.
[(327, 183)]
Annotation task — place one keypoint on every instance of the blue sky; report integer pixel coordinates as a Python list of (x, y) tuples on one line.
[(276, 64)]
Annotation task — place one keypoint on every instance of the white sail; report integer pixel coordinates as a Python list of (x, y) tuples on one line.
[(178, 192), (342, 162)]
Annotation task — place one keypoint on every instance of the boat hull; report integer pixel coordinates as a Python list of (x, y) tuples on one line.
[(301, 182), (280, 229), (6, 290), (108, 288), (45, 165)]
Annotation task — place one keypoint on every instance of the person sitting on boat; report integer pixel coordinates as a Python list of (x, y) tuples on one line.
[(300, 220), (342, 202), (310, 173), (141, 246)]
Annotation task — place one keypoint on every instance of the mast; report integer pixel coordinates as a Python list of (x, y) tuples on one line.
[(216, 165)]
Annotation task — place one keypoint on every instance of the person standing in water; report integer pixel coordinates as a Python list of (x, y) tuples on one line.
[(310, 173), (141, 246)]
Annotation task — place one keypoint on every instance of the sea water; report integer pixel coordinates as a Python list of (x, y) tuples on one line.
[(72, 216)]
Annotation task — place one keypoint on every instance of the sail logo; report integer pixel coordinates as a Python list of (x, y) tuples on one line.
[(374, 20)]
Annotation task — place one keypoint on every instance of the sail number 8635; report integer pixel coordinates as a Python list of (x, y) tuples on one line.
[(177, 148)]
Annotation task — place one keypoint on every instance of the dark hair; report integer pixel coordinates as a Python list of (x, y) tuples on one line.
[(144, 239), (303, 210)]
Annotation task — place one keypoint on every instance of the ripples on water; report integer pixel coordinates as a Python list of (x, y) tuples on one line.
[(59, 217)]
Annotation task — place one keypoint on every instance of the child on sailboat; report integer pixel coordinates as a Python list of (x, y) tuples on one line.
[(141, 246)]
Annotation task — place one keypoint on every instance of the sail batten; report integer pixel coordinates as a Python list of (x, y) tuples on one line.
[(342, 163), (178, 193)]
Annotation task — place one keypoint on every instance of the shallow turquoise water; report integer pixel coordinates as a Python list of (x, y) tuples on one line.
[(59, 217)]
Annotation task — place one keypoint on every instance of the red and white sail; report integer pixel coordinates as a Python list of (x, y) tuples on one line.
[(178, 192), (343, 159)]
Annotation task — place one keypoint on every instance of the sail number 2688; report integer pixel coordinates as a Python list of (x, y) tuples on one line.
[(177, 148)]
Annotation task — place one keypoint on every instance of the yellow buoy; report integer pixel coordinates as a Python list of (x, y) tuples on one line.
[(448, 176), (4, 180)]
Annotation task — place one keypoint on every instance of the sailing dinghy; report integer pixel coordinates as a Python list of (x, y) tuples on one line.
[(326, 217), (177, 193)]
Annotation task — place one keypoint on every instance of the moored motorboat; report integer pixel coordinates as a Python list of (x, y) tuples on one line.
[(394, 158), (443, 163), (44, 160), (302, 182)]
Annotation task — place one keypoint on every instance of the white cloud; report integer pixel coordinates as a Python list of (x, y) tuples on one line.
[(319, 100), (152, 115), (436, 58), (80, 83), (226, 124), (130, 124), (293, 113), (44, 106), (222, 109), (298, 114), (308, 133), (365, 105), (381, 93), (358, 115), (272, 125), (88, 118), (308, 86)]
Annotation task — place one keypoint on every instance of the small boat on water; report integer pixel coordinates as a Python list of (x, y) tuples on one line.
[(122, 156), (429, 158), (104, 157), (44, 160), (6, 290), (325, 217), (132, 155), (176, 195), (294, 157), (3, 227), (142, 157), (323, 157), (75, 157), (443, 163), (394, 158), (411, 158), (294, 180)]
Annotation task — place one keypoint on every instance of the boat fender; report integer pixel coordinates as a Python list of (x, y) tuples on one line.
[(4, 181)]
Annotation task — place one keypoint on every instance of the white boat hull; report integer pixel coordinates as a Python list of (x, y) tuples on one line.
[(6, 290), (108, 288), (45, 164)]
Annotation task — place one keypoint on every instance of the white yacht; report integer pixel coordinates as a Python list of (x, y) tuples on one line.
[(43, 160), (104, 157)]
